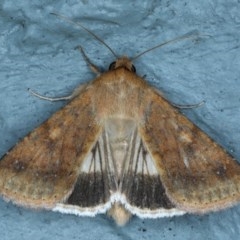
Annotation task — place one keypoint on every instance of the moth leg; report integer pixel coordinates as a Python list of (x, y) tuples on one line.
[(182, 106), (93, 67), (76, 92), (188, 106), (50, 98)]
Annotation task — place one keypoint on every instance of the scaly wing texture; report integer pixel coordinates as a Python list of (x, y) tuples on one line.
[(197, 174), (95, 183), (43, 168), (138, 187), (140, 181)]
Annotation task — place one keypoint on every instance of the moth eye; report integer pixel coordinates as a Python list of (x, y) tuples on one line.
[(112, 66), (133, 69)]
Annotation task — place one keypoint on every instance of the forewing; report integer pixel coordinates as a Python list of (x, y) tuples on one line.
[(42, 169), (197, 174)]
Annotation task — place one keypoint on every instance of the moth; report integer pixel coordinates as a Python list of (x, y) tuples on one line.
[(119, 147)]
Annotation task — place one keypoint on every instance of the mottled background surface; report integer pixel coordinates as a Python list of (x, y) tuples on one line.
[(37, 51)]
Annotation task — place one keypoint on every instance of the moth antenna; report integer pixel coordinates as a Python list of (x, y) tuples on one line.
[(87, 30), (192, 34)]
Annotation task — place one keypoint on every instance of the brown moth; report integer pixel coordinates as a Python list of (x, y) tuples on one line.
[(119, 147)]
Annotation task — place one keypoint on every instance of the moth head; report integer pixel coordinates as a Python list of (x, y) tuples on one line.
[(123, 62)]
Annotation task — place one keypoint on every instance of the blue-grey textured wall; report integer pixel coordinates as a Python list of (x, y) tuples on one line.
[(37, 51)]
